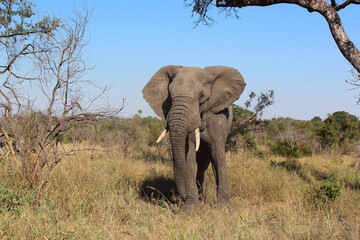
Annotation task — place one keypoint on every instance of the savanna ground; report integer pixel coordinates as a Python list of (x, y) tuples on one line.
[(290, 179), (106, 196)]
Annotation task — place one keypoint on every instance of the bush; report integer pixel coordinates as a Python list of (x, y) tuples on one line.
[(260, 154), (329, 191), (288, 148), (13, 200)]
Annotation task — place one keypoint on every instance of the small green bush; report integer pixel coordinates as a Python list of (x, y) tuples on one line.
[(260, 154), (329, 191), (14, 199), (287, 148)]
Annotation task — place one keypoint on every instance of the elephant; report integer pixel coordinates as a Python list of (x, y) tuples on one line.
[(196, 106)]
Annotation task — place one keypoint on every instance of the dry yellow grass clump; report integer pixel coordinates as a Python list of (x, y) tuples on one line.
[(109, 197)]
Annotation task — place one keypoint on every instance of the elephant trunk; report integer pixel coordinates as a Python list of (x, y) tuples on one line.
[(178, 143), (179, 127)]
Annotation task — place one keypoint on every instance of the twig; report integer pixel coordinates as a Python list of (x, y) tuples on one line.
[(346, 223)]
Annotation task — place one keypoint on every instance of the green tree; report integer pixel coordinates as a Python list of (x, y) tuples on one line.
[(338, 128), (316, 119), (20, 28)]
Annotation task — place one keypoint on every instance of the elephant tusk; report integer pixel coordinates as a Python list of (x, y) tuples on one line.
[(197, 139), (162, 135)]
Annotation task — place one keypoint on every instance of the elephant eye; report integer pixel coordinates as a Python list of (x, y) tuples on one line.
[(201, 95)]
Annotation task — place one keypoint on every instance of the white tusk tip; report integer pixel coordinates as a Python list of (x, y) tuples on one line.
[(162, 135), (197, 139)]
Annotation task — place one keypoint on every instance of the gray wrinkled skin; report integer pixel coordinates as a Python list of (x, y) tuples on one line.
[(189, 98)]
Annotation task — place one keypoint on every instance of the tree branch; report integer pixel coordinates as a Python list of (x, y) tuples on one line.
[(14, 58), (346, 47), (27, 33), (345, 4)]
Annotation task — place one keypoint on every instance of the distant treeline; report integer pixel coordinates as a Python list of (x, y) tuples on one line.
[(339, 133)]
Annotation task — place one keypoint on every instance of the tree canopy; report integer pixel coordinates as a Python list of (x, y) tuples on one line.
[(339, 127), (18, 30)]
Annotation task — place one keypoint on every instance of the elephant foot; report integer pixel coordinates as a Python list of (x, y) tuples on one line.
[(190, 205), (224, 200)]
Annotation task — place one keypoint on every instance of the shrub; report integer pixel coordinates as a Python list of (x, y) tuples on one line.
[(13, 199), (285, 148), (260, 153), (331, 190), (288, 148), (328, 191)]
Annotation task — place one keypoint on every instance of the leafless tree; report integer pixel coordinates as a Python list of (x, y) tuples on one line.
[(60, 87)]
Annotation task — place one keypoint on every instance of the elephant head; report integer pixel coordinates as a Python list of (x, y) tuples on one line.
[(186, 97)]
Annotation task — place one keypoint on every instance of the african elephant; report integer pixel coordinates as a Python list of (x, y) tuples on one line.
[(196, 106)]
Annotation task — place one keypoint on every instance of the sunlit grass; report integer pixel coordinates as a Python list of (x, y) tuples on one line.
[(101, 198)]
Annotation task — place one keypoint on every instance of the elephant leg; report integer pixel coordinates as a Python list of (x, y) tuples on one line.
[(203, 157), (220, 173), (218, 127), (192, 195)]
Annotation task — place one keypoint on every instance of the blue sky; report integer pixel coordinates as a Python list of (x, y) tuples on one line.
[(281, 47)]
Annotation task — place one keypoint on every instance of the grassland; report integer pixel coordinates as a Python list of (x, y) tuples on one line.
[(110, 197)]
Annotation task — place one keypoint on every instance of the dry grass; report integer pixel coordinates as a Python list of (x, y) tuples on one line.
[(102, 199)]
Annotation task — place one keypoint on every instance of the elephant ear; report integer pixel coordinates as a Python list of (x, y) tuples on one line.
[(156, 91), (227, 87)]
